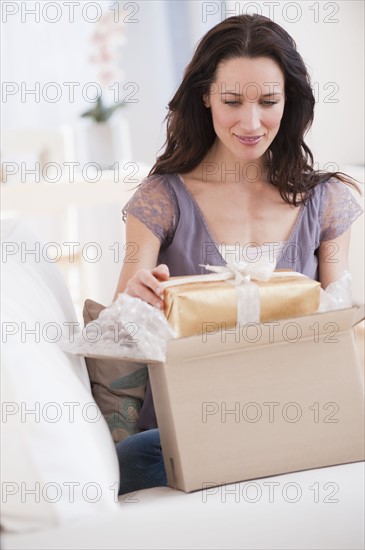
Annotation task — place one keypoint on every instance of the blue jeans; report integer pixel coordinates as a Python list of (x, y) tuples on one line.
[(141, 464)]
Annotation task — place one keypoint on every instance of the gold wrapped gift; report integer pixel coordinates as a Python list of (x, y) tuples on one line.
[(191, 307)]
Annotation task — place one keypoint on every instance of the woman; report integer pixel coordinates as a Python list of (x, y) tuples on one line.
[(236, 177)]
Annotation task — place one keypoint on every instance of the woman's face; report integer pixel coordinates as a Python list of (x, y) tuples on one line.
[(247, 104)]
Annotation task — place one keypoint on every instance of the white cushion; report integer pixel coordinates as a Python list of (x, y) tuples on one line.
[(59, 461)]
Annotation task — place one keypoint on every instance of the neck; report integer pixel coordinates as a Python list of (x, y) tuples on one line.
[(220, 165)]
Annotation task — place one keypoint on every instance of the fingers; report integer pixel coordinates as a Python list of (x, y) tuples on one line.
[(161, 272), (145, 285)]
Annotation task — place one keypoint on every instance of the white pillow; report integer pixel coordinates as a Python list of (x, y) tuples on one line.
[(58, 462)]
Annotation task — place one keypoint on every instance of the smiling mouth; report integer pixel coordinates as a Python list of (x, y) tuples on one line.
[(248, 140)]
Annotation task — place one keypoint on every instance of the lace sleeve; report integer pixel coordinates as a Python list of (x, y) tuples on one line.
[(338, 210), (155, 204)]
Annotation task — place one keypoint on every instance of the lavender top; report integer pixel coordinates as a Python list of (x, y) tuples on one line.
[(168, 209), (165, 205)]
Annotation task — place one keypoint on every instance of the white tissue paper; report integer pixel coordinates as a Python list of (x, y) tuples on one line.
[(129, 328), (338, 295)]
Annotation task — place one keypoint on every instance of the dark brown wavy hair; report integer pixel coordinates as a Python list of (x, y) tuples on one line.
[(189, 130)]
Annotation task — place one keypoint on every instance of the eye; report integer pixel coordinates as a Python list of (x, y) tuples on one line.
[(232, 103), (269, 102)]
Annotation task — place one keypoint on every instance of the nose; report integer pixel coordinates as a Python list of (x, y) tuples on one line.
[(250, 117)]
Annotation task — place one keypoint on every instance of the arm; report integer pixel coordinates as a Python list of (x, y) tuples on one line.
[(339, 209), (333, 258), (140, 278)]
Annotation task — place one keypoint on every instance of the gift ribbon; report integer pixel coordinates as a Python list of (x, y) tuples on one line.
[(248, 295), (240, 272), (243, 272)]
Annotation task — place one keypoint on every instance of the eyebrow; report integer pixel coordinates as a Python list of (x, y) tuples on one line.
[(263, 95)]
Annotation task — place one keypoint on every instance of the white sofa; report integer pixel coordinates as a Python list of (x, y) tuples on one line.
[(314, 509), (162, 518)]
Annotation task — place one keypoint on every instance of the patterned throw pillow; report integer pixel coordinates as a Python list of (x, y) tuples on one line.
[(118, 386)]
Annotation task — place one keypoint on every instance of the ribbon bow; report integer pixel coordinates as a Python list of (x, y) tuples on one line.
[(243, 272)]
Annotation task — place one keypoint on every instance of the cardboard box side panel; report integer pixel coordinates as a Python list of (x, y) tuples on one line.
[(359, 313), (357, 359), (166, 423), (316, 397)]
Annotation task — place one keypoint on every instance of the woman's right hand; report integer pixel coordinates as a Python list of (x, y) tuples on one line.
[(145, 285)]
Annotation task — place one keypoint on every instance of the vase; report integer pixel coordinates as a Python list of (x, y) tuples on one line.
[(103, 143), (100, 144)]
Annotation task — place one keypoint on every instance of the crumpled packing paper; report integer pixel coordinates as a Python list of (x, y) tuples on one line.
[(129, 327)]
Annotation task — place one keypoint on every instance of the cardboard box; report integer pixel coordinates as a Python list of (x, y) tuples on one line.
[(260, 400)]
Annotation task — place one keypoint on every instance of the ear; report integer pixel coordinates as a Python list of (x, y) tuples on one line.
[(206, 100)]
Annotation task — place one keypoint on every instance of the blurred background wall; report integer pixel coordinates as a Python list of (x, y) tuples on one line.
[(160, 37)]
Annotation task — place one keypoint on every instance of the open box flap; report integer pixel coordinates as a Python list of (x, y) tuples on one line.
[(326, 324), (323, 325), (121, 357)]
